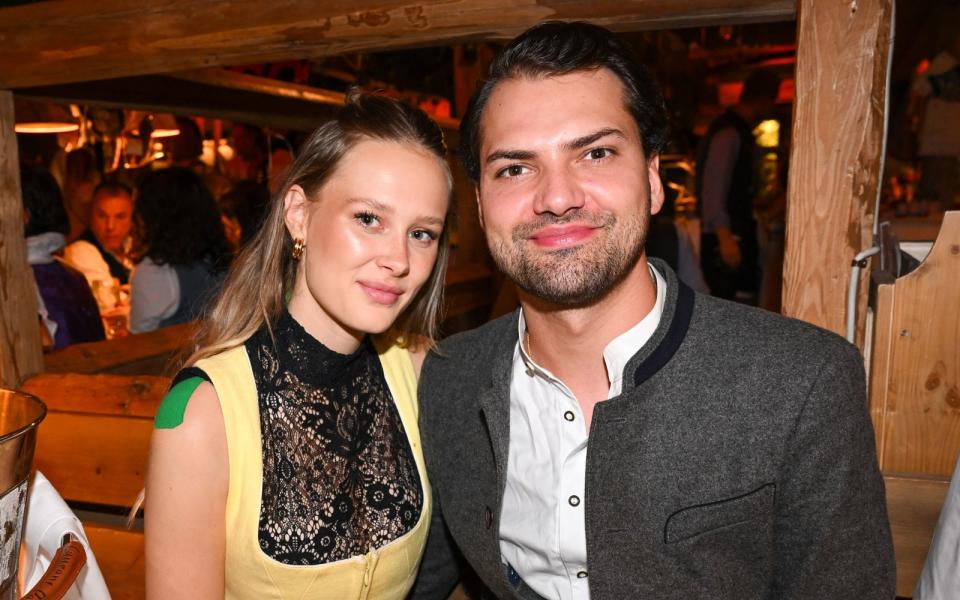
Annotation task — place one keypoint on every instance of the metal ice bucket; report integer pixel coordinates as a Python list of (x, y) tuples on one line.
[(19, 416)]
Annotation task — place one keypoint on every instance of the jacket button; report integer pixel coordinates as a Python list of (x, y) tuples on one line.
[(487, 518)]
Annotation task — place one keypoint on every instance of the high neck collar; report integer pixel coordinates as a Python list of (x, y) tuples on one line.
[(311, 359)]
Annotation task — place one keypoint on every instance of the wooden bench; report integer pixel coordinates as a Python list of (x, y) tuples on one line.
[(93, 446), (914, 398)]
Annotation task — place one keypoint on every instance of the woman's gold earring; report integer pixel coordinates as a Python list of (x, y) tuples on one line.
[(298, 246)]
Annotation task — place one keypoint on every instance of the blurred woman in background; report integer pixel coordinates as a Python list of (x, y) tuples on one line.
[(183, 249)]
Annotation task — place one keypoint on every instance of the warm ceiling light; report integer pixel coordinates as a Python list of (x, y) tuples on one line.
[(164, 125), (32, 116)]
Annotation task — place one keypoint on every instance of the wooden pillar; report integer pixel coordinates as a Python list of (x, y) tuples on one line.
[(20, 351), (470, 64), (842, 55)]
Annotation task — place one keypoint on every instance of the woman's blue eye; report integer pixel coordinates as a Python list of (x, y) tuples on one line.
[(423, 235), (367, 219)]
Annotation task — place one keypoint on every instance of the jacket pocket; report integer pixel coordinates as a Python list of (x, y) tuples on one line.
[(702, 518)]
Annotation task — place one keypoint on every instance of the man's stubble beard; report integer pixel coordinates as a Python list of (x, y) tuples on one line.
[(579, 275)]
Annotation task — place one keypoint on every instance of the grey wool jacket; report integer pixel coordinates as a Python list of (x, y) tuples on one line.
[(739, 462)]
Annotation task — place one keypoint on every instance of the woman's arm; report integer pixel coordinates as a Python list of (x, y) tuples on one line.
[(187, 484)]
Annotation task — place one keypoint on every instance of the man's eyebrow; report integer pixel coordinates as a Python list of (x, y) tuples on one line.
[(586, 140), (510, 155)]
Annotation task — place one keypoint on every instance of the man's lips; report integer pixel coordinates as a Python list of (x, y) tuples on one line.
[(381, 293), (560, 236)]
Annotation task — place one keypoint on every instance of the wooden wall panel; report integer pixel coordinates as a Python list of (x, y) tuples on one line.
[(915, 387), (842, 55), (20, 350), (94, 458)]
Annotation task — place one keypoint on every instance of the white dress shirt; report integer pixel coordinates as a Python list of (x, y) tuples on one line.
[(542, 532)]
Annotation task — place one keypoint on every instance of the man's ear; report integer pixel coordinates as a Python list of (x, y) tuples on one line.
[(476, 191), (295, 213), (656, 184)]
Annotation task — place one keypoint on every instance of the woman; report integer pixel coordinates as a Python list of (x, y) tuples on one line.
[(68, 311), (286, 460), (184, 249)]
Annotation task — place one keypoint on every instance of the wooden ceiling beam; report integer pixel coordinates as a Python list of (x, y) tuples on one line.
[(63, 41)]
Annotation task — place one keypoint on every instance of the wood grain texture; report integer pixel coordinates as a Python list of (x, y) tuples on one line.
[(913, 505), (94, 458), (915, 387), (20, 351), (117, 395), (119, 554), (111, 355), (842, 56), (73, 40)]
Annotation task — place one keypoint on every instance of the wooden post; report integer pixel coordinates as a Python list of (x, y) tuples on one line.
[(20, 351), (842, 56)]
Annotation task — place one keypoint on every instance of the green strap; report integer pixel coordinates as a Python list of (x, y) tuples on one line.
[(174, 404)]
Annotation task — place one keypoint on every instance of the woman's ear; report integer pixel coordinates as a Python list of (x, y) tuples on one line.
[(295, 206)]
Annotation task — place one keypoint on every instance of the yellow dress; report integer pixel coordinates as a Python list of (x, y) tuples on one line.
[(386, 573)]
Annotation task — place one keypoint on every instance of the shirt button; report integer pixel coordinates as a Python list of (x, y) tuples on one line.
[(574, 500), (569, 415), (581, 574)]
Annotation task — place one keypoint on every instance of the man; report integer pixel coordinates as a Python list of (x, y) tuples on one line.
[(726, 168), (99, 253), (621, 436)]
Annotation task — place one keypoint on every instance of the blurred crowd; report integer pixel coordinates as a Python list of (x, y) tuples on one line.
[(134, 250)]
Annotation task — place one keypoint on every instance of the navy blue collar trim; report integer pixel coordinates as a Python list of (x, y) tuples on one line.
[(679, 325)]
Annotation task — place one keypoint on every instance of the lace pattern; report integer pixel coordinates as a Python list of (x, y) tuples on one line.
[(339, 477)]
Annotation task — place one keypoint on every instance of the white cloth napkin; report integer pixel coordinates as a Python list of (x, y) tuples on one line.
[(48, 519)]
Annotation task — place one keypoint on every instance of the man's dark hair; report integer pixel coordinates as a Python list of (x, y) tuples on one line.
[(558, 48), (178, 220), (43, 202), (112, 188), (761, 85)]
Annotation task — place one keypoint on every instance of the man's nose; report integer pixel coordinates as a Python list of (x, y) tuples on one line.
[(558, 192), (396, 256)]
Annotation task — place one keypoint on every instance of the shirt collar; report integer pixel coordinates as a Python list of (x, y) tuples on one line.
[(621, 348)]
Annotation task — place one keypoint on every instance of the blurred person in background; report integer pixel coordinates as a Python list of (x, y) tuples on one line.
[(243, 209), (68, 312), (183, 249), (101, 252), (79, 182), (726, 187)]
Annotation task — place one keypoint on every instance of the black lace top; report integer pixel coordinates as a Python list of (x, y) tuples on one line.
[(339, 477)]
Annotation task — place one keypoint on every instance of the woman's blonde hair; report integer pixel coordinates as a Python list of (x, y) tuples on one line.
[(256, 288)]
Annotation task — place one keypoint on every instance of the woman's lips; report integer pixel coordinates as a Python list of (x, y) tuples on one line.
[(562, 236), (381, 293)]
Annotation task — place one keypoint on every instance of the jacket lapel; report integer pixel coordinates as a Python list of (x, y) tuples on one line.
[(494, 401)]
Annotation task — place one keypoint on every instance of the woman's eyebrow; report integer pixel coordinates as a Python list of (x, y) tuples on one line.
[(372, 203)]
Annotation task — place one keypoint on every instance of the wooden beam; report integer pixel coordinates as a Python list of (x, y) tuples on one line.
[(74, 40), (842, 55), (20, 350), (216, 93)]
